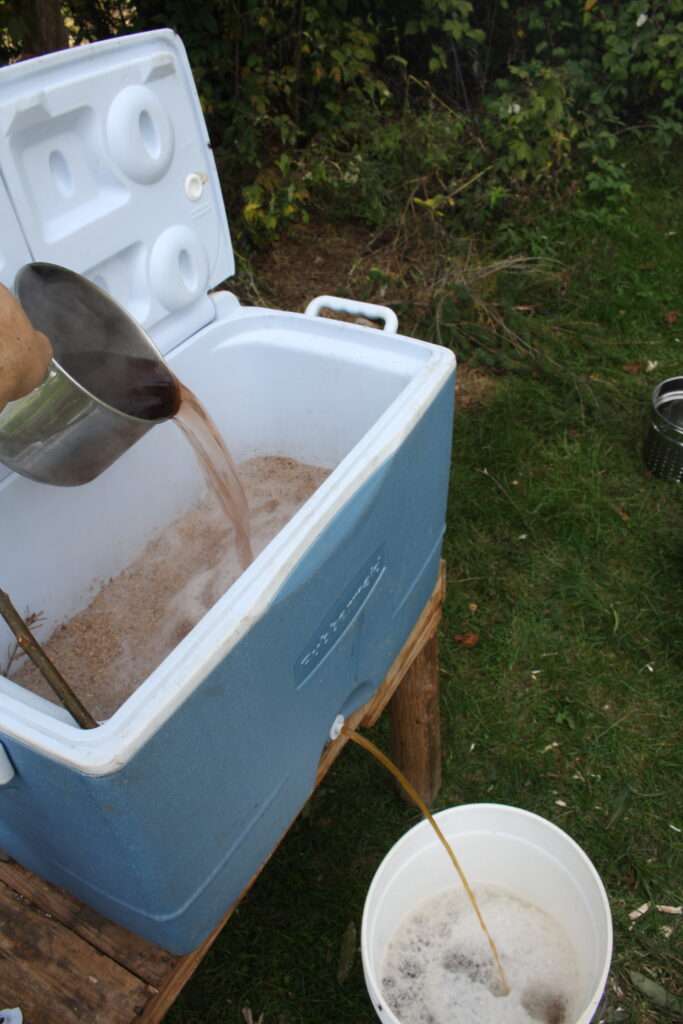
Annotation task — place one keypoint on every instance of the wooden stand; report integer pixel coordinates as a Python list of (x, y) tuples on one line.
[(63, 963)]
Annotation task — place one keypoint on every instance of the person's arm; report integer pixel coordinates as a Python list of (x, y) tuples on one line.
[(24, 352)]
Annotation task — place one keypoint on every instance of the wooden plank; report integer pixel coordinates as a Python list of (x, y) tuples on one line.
[(416, 725), (142, 958), (55, 977)]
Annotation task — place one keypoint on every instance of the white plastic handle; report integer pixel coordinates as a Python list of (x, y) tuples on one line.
[(13, 1016), (354, 307), (6, 767)]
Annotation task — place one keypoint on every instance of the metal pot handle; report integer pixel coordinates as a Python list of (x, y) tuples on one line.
[(354, 307)]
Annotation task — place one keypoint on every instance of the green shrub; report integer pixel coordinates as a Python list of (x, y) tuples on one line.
[(375, 106)]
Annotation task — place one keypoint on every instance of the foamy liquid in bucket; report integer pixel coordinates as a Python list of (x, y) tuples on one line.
[(438, 969)]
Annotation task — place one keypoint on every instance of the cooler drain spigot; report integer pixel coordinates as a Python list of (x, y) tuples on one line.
[(336, 727)]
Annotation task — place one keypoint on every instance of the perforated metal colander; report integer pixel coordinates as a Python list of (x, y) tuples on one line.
[(663, 446)]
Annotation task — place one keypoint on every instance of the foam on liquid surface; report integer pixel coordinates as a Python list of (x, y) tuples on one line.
[(438, 967)]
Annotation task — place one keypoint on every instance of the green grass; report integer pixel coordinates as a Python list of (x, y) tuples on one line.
[(566, 558), (570, 558)]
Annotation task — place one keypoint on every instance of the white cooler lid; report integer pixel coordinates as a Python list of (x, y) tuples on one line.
[(106, 168)]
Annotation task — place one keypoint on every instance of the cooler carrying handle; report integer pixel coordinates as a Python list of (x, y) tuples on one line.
[(354, 307)]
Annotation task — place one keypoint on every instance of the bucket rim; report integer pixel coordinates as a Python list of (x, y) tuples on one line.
[(503, 811)]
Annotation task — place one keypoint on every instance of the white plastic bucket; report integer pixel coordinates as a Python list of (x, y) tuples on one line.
[(500, 846)]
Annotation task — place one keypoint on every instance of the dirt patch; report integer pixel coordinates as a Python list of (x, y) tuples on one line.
[(310, 260), (474, 387)]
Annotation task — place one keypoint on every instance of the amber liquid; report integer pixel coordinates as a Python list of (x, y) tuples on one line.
[(146, 388), (218, 467), (414, 795)]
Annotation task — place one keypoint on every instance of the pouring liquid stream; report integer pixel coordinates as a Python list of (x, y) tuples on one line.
[(410, 789), (143, 387), (218, 467)]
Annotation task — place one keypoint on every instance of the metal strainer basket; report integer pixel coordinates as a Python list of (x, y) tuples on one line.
[(663, 447)]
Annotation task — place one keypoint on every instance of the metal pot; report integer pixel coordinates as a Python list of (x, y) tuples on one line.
[(106, 385)]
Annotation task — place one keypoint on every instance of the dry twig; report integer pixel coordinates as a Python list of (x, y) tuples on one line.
[(14, 650), (30, 646)]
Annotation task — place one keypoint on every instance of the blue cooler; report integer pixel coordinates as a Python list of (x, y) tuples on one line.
[(160, 816)]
